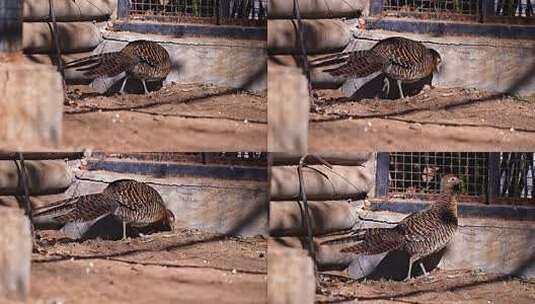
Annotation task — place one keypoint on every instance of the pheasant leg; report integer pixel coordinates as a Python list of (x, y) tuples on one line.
[(122, 87), (386, 86), (400, 89), (145, 86), (124, 230), (423, 268), (410, 269)]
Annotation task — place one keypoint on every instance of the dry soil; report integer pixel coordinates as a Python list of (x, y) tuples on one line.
[(184, 266), (437, 119), (178, 117)]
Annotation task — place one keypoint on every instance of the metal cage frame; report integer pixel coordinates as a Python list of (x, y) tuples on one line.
[(484, 11), (491, 178)]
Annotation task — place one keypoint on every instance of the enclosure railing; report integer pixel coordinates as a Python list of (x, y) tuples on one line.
[(255, 159), (487, 177), (218, 12)]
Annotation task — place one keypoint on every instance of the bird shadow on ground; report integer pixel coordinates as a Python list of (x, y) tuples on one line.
[(517, 272), (260, 73), (396, 264), (374, 88)]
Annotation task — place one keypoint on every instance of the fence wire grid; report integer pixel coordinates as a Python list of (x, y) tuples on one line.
[(418, 174), (225, 12), (461, 10)]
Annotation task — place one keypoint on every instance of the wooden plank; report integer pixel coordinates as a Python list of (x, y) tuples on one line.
[(286, 218), (44, 177), (342, 182), (321, 36), (290, 277), (85, 10), (288, 110), (313, 9), (15, 254), (30, 118), (327, 257)]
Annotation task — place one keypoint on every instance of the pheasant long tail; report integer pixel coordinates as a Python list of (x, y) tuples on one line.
[(77, 215), (329, 60), (357, 64), (77, 209), (51, 214), (107, 64), (369, 241)]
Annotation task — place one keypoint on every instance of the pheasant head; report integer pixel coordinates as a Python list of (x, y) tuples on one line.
[(169, 220), (450, 184), (437, 60)]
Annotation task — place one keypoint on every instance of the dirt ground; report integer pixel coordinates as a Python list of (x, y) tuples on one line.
[(437, 119), (184, 266), (439, 287), (178, 117)]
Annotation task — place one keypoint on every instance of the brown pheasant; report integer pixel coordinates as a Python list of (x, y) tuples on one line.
[(131, 202), (140, 59), (419, 235), (401, 59)]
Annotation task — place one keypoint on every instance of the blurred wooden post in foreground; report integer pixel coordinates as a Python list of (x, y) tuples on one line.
[(15, 254), (31, 104), (290, 277)]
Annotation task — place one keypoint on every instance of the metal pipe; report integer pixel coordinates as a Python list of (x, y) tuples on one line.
[(10, 26), (41, 155)]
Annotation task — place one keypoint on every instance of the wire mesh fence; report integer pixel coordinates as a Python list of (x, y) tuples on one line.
[(516, 175), (507, 177), (510, 11), (432, 9), (224, 12)]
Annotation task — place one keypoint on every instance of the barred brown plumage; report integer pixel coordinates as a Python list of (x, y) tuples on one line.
[(141, 59), (419, 234), (401, 59), (131, 202)]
